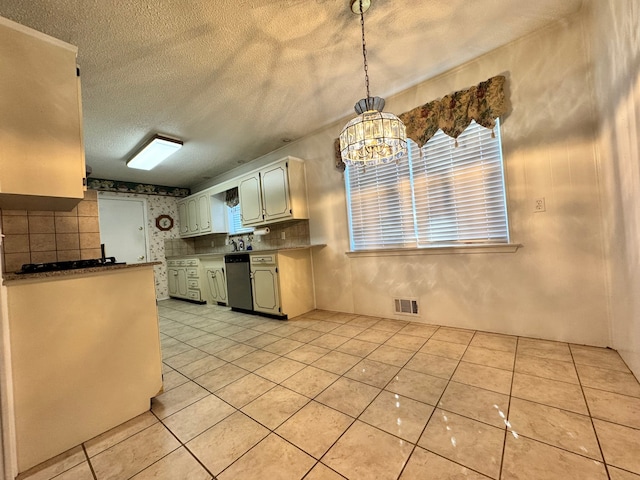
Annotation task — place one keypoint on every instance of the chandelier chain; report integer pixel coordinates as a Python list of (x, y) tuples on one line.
[(364, 52)]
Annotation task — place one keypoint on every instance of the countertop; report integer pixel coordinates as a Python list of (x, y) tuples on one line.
[(14, 277), (260, 251)]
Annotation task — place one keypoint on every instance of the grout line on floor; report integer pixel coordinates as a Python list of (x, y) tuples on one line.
[(86, 454), (593, 426)]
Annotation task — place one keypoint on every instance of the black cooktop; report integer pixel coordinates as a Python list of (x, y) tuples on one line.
[(68, 265)]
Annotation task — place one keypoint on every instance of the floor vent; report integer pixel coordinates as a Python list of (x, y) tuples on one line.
[(406, 306)]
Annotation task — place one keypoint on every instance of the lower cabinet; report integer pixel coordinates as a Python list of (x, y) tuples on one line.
[(214, 280), (177, 278), (184, 279), (264, 284), (281, 283)]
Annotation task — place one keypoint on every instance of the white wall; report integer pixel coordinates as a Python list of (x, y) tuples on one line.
[(554, 287), (616, 53)]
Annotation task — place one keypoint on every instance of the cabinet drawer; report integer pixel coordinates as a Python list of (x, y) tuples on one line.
[(192, 272), (180, 263), (194, 294), (192, 262), (193, 283), (172, 263), (263, 259)]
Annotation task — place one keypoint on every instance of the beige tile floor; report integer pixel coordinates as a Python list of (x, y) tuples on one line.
[(330, 396)]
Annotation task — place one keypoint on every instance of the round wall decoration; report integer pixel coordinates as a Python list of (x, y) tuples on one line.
[(164, 222)]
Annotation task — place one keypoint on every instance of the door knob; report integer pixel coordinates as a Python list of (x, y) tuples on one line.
[(141, 257), (140, 228)]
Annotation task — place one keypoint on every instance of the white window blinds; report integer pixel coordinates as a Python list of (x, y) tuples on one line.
[(380, 206), (440, 194), (235, 222)]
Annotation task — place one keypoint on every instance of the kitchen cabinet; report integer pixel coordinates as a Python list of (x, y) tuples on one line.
[(85, 356), (275, 193), (282, 282), (42, 164), (177, 279), (183, 219), (264, 284), (214, 280), (201, 214), (184, 279)]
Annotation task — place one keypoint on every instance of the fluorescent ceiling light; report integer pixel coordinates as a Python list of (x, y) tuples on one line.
[(154, 152)]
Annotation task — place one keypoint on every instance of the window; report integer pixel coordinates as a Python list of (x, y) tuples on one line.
[(235, 222), (438, 195)]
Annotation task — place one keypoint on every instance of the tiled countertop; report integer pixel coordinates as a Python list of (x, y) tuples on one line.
[(14, 277)]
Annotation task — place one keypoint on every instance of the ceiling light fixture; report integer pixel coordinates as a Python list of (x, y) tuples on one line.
[(154, 152), (374, 136)]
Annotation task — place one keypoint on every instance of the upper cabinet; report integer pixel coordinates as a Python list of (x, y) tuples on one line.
[(202, 213), (41, 151), (274, 193)]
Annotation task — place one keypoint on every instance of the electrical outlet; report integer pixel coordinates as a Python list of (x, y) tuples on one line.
[(539, 205), (283, 235), (213, 243)]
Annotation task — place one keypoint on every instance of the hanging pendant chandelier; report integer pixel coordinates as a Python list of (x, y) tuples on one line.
[(374, 136)]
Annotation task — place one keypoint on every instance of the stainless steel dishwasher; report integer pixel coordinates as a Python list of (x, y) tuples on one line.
[(239, 282)]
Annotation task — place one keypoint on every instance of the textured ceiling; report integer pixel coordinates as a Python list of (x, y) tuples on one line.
[(233, 79)]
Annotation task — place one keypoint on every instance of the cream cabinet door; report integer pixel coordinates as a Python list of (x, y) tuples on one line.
[(192, 216), (172, 276), (250, 200), (181, 287), (275, 192), (41, 147), (204, 214), (183, 218), (264, 284), (216, 285)]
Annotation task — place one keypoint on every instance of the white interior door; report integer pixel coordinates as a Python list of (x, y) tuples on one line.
[(123, 228)]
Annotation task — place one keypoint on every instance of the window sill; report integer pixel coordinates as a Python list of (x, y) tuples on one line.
[(441, 250)]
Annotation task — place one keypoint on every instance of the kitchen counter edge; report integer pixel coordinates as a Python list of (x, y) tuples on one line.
[(14, 277), (260, 251)]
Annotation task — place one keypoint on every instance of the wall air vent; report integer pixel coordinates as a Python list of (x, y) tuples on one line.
[(406, 306)]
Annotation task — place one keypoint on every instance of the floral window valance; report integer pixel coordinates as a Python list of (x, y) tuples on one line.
[(232, 198), (453, 113)]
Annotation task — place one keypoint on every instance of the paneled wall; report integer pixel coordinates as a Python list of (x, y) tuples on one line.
[(615, 44)]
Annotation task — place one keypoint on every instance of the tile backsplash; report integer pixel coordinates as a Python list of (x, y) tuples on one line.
[(46, 236), (295, 233)]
